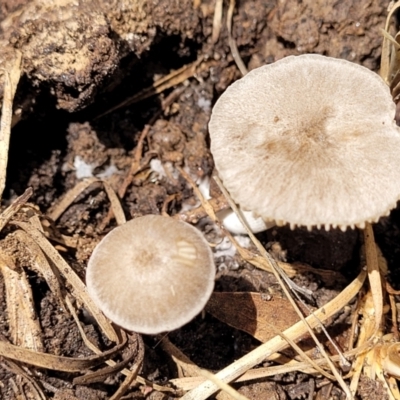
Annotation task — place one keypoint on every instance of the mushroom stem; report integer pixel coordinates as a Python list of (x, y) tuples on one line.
[(232, 223)]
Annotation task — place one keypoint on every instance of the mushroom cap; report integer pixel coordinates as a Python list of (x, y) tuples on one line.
[(310, 141), (152, 274)]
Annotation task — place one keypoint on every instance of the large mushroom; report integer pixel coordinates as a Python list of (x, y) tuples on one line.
[(152, 274), (310, 141)]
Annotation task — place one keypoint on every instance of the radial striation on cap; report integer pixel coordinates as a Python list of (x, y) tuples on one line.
[(152, 274), (310, 141)]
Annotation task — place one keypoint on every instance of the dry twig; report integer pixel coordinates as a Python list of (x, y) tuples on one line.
[(11, 76), (232, 43)]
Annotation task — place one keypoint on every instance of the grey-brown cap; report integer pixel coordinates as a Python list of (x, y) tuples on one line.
[(310, 141), (152, 274)]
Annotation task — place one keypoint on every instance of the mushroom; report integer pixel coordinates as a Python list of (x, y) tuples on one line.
[(310, 141), (152, 274)]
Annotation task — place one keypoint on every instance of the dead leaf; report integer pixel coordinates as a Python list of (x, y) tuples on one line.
[(251, 313)]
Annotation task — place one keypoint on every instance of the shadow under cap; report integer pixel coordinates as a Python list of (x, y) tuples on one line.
[(310, 141), (152, 274)]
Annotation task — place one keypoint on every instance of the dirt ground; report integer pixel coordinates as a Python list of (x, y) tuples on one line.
[(84, 102)]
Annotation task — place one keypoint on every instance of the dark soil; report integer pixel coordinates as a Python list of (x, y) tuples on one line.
[(63, 137)]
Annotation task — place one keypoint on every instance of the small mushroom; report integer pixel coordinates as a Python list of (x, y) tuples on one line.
[(152, 274), (310, 141)]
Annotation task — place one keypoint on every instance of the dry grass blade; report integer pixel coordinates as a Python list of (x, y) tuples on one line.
[(56, 363), (217, 21), (11, 76), (232, 43), (23, 322), (394, 312), (116, 207), (16, 205), (196, 214), (164, 83), (98, 375), (132, 350), (291, 270), (77, 190), (85, 339), (222, 385), (258, 373), (195, 377), (103, 373), (34, 216), (131, 377), (135, 167), (71, 277), (276, 344), (69, 198), (206, 205), (390, 58), (366, 330), (304, 356), (136, 164)]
